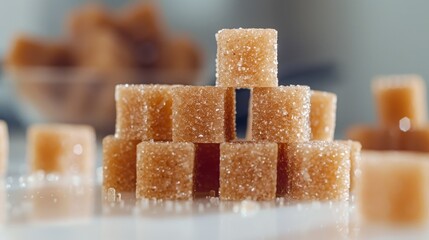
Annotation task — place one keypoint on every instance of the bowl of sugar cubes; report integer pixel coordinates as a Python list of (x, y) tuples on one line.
[(72, 79)]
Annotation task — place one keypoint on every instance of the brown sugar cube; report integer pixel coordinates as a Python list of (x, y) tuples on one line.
[(400, 98), (322, 115), (143, 112), (119, 164), (165, 170), (318, 170), (181, 55), (281, 114), (89, 18), (355, 158), (393, 187), (246, 58), (206, 172), (248, 171), (31, 52), (182, 60), (103, 50), (141, 24), (374, 138), (61, 148), (141, 21), (4, 148), (203, 114)]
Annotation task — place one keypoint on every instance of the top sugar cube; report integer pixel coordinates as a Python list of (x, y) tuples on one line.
[(399, 97), (246, 58)]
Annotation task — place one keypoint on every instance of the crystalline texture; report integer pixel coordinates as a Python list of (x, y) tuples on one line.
[(119, 164), (355, 158), (246, 58), (322, 115), (318, 170), (203, 114), (281, 114), (165, 170), (143, 112), (248, 171)]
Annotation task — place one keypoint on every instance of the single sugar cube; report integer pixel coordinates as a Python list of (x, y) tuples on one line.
[(203, 114), (400, 98), (4, 148), (61, 148), (281, 114), (355, 158), (165, 170), (143, 112), (322, 115), (119, 164), (318, 170), (248, 171), (246, 58), (206, 170), (393, 187)]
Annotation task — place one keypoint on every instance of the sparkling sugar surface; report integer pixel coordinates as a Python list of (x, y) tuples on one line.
[(400, 96), (318, 170), (144, 112), (248, 171), (246, 58), (393, 187), (323, 115), (206, 172), (203, 114), (281, 114), (165, 170), (355, 159), (119, 164), (4, 148), (61, 148)]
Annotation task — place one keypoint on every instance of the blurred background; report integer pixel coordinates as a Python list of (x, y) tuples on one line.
[(332, 45)]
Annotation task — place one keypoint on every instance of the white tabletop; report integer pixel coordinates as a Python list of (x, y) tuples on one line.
[(50, 207)]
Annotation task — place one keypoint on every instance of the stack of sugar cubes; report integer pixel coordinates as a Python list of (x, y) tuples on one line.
[(393, 186), (179, 142), (401, 106)]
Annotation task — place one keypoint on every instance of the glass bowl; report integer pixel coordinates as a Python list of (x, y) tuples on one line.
[(79, 96)]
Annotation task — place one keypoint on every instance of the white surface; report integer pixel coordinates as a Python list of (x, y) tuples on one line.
[(48, 207)]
